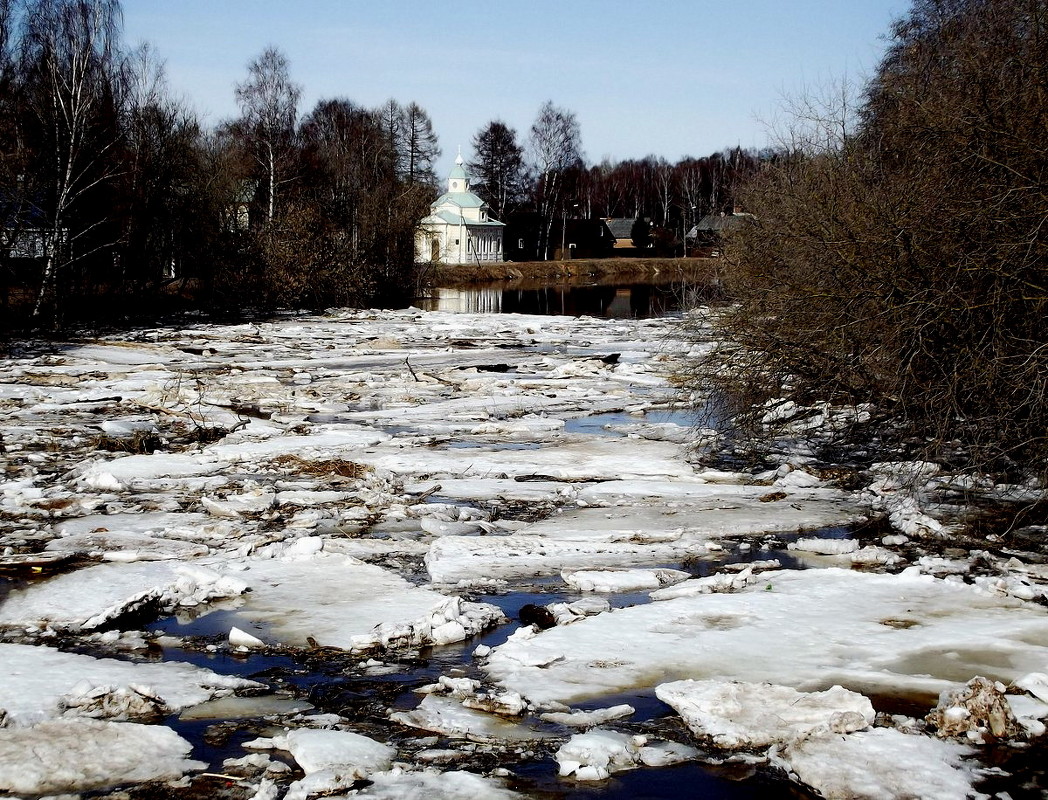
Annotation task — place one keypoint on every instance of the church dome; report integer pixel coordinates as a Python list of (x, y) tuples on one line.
[(458, 172)]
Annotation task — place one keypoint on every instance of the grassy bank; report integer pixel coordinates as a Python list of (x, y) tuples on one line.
[(597, 270)]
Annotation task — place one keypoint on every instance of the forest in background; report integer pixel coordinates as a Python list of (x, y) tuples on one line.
[(116, 201)]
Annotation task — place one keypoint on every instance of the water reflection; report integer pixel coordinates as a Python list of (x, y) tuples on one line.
[(639, 300)]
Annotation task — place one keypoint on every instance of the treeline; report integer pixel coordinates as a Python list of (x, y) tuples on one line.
[(116, 200), (898, 256), (546, 174)]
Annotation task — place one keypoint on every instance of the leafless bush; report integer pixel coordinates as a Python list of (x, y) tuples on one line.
[(905, 266)]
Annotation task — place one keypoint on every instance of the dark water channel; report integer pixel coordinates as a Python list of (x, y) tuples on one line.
[(636, 300)]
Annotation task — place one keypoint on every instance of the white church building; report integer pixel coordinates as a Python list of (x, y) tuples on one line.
[(459, 228)]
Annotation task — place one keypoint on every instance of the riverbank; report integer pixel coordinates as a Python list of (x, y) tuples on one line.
[(598, 270)]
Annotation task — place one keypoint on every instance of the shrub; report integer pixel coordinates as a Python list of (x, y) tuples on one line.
[(905, 265)]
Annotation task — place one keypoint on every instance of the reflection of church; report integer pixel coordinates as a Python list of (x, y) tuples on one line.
[(459, 228)]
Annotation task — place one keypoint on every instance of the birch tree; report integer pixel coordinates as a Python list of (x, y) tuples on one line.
[(268, 101), (554, 145), (71, 60)]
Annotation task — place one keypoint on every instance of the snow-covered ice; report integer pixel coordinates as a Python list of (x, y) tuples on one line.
[(340, 601), (95, 596), (595, 755), (399, 784), (886, 633), (34, 681), (626, 580), (449, 717), (344, 480), (79, 755), (730, 714), (883, 764)]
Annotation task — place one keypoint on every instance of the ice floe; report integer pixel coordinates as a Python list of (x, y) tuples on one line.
[(730, 714), (93, 597), (595, 755), (79, 755), (40, 683), (305, 593), (887, 633), (883, 764)]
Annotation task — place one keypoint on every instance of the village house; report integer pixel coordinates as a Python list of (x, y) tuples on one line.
[(459, 228)]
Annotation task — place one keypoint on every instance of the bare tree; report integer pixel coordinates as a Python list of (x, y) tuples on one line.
[(161, 154), (347, 155), (554, 145), (268, 101), (72, 69)]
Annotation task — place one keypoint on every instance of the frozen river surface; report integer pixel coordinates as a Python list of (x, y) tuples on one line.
[(417, 554)]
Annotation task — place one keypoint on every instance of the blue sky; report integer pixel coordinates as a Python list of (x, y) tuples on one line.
[(671, 78)]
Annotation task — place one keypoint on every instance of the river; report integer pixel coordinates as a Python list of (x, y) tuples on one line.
[(485, 456)]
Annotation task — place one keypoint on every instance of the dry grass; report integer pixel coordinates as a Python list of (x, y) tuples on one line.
[(334, 466)]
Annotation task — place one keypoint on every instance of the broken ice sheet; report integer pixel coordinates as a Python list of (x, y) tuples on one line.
[(332, 760), (642, 532), (401, 784), (35, 679), (730, 714), (623, 580), (778, 630), (95, 596), (883, 764), (595, 755), (78, 755), (449, 717), (340, 601)]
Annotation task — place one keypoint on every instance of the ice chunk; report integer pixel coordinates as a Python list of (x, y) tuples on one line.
[(978, 710), (447, 716), (623, 580), (346, 753), (399, 784), (342, 602), (882, 764), (92, 597), (33, 681), (146, 548), (588, 719), (80, 755), (754, 715), (597, 754), (826, 547), (898, 633), (241, 638)]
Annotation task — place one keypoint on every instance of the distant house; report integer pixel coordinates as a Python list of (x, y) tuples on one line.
[(582, 238), (710, 230), (523, 236), (621, 228), (240, 210), (25, 236), (459, 228)]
